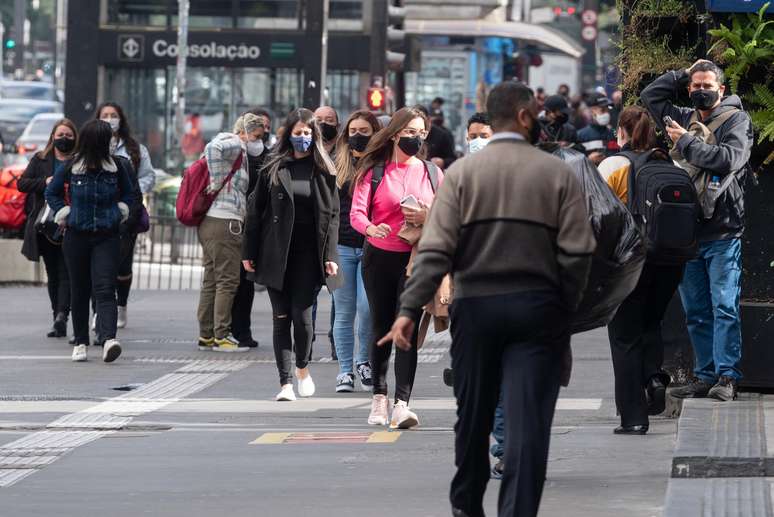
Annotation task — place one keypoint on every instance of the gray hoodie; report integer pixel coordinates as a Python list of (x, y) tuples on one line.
[(734, 142)]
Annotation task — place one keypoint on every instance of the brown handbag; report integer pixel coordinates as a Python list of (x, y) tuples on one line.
[(437, 309), (410, 234)]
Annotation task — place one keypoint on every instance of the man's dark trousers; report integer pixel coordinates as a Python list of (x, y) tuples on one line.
[(242, 308), (519, 338)]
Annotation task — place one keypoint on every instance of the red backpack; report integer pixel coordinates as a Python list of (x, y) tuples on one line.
[(193, 200), (12, 214)]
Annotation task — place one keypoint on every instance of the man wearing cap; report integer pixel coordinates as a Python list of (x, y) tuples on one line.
[(598, 138), (555, 123)]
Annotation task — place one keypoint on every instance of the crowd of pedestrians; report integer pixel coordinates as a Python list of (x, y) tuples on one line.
[(384, 213)]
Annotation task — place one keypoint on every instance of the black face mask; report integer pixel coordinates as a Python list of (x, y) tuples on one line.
[(410, 145), (64, 145), (329, 132), (704, 99), (561, 118), (358, 142)]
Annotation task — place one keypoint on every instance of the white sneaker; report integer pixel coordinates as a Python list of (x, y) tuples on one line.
[(121, 317), (378, 414), (286, 394), (111, 350), (403, 417), (94, 322), (79, 354), (305, 386)]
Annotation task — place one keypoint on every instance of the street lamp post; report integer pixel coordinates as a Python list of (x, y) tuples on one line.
[(182, 56)]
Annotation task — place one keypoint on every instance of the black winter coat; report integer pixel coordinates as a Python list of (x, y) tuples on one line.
[(269, 226), (33, 183)]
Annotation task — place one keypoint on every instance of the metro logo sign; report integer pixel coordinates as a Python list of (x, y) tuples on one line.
[(376, 99)]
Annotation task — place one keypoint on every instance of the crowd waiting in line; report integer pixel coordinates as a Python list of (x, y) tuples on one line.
[(348, 206)]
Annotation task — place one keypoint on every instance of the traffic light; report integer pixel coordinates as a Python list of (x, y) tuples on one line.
[(396, 36), (376, 99), (10, 43)]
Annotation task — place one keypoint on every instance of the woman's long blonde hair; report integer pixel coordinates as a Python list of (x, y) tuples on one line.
[(345, 165)]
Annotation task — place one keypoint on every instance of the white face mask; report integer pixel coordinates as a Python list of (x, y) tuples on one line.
[(255, 148), (602, 119), (115, 123), (477, 144)]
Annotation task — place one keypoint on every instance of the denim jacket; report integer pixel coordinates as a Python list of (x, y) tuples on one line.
[(99, 199)]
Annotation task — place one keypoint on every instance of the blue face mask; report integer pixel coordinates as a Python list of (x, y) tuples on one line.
[(301, 143)]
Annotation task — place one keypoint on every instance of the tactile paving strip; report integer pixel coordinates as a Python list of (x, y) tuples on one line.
[(24, 456)]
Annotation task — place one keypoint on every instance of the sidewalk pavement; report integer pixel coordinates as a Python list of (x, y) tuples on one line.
[(723, 462), (199, 432)]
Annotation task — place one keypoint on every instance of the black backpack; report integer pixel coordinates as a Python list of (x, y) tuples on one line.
[(378, 174), (663, 200)]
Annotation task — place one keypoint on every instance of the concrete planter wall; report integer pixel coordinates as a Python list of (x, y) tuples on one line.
[(14, 267)]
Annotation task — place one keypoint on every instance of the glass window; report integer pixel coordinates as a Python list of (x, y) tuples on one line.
[(151, 13), (142, 94), (344, 92), (346, 9), (251, 11)]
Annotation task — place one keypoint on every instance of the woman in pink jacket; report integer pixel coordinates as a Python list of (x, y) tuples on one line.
[(380, 207)]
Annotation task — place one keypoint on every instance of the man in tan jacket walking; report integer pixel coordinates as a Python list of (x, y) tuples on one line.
[(511, 226)]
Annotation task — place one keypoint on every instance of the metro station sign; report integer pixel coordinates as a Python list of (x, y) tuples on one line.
[(237, 48)]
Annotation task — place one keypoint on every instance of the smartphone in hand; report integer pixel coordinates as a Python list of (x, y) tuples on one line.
[(410, 202), (668, 121)]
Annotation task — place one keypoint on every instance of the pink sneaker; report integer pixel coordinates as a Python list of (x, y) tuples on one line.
[(403, 417), (378, 414)]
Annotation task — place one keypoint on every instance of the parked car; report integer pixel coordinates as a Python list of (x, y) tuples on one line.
[(35, 135), (31, 90), (15, 114)]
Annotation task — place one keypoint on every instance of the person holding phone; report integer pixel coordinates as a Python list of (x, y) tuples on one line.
[(380, 207)]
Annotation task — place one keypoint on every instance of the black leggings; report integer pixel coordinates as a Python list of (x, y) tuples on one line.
[(384, 277), (58, 277), (293, 305)]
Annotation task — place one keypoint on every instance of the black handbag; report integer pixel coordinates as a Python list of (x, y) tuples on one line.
[(45, 225)]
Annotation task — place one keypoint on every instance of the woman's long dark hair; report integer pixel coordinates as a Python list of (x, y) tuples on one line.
[(283, 149), (124, 132), (381, 146), (93, 144), (50, 145), (345, 168)]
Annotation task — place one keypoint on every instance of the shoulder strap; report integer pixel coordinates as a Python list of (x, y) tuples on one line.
[(432, 172), (377, 173), (718, 121), (234, 168)]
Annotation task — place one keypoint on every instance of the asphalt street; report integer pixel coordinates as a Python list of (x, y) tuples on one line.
[(199, 433)]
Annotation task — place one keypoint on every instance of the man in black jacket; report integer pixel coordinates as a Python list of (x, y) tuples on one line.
[(555, 123), (439, 141), (712, 282)]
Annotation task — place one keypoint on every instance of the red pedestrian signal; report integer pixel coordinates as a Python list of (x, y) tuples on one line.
[(376, 99)]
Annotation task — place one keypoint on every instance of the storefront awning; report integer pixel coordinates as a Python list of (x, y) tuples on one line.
[(528, 32)]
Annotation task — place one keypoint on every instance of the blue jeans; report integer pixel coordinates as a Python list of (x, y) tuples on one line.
[(498, 430), (350, 301), (710, 292)]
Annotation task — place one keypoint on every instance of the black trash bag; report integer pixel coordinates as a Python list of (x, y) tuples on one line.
[(617, 262)]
